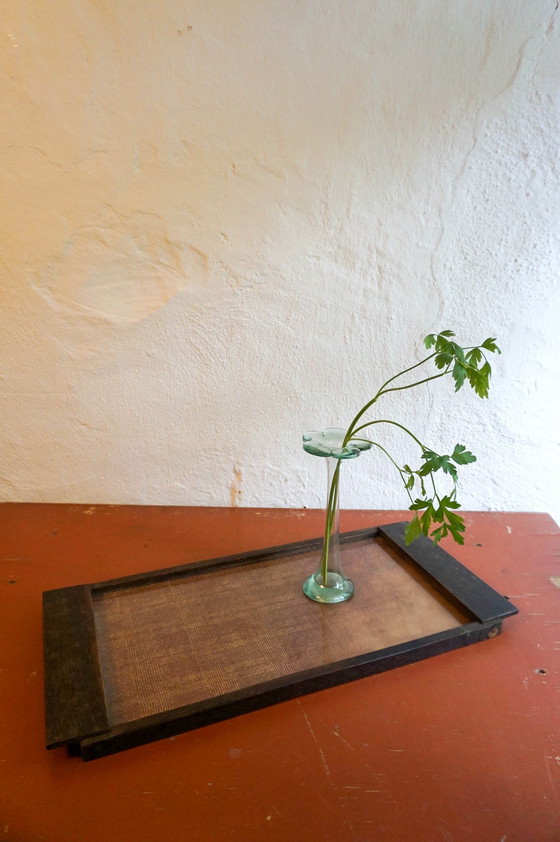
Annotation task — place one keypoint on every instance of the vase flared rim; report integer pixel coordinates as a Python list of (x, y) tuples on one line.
[(330, 442)]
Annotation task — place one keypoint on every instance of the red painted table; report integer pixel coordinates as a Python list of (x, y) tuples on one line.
[(463, 746)]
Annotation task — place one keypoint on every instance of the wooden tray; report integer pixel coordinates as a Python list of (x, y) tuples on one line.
[(145, 657)]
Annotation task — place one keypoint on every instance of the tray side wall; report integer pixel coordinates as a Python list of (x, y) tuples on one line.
[(473, 593), (74, 698)]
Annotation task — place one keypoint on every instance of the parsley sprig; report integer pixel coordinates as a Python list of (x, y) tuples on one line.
[(435, 514)]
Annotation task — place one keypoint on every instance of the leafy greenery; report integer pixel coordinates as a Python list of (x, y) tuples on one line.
[(435, 514)]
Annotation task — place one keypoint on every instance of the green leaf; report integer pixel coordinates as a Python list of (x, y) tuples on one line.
[(457, 351), (430, 340), (450, 523), (438, 515), (457, 537), (480, 379), (410, 482), (432, 462), (448, 503), (459, 374), (446, 333), (419, 504), (474, 357), (455, 525), (412, 531), (462, 456), (439, 533), (490, 345), (426, 520), (443, 359), (473, 376), (443, 344), (455, 521), (448, 468)]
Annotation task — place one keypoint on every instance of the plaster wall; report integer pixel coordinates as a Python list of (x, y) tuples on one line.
[(225, 223)]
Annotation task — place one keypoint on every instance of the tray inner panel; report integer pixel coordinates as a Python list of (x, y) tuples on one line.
[(182, 640)]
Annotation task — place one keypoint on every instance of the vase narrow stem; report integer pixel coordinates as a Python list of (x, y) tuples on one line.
[(330, 553), (328, 583)]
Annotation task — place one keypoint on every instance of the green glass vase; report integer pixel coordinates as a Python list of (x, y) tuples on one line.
[(329, 584)]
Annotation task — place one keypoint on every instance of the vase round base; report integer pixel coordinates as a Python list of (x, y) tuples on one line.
[(336, 589)]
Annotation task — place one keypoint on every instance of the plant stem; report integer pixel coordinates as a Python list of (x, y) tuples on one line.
[(418, 383), (384, 391), (387, 421), (405, 371), (331, 508), (388, 455)]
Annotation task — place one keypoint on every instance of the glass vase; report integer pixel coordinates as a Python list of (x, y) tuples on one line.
[(328, 583)]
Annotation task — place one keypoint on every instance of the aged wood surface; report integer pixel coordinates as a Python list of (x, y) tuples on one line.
[(461, 747), (74, 698)]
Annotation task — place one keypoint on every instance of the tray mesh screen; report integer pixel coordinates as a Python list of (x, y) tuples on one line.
[(183, 640)]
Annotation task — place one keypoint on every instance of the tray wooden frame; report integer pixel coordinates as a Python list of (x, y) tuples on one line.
[(75, 702)]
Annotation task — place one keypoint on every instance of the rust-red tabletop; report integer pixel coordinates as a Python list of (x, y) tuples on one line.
[(462, 746)]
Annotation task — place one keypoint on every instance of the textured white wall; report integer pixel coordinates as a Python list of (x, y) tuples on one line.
[(225, 223)]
